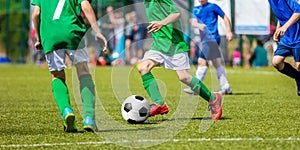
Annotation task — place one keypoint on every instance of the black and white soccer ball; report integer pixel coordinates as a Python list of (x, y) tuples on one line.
[(135, 109)]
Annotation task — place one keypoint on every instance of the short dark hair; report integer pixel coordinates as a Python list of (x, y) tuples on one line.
[(259, 42)]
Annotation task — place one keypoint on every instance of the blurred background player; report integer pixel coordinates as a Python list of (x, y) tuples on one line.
[(236, 57), (205, 18), (170, 51), (288, 35), (259, 56), (134, 34), (59, 33), (108, 27)]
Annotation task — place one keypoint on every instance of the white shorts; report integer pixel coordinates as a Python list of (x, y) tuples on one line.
[(56, 60), (236, 61), (178, 61)]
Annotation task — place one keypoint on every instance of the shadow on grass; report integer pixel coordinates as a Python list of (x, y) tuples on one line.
[(130, 129), (245, 93), (155, 122), (80, 131), (194, 118), (209, 118)]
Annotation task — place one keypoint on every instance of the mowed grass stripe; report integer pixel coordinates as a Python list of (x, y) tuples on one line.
[(264, 107), (151, 141)]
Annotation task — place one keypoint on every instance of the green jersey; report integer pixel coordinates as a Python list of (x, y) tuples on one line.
[(169, 39), (61, 26)]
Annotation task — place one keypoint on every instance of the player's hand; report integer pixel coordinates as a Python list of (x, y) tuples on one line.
[(279, 33), (154, 26), (105, 50), (229, 36), (102, 41), (202, 27), (38, 45), (276, 38)]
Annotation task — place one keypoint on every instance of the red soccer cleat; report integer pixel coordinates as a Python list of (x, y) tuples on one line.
[(157, 109), (216, 107)]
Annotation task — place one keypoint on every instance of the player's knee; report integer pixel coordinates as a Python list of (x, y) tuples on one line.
[(143, 69), (58, 74), (184, 78), (201, 62), (298, 66), (278, 62), (275, 63), (82, 68)]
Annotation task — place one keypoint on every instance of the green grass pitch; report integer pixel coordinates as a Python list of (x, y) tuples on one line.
[(262, 113)]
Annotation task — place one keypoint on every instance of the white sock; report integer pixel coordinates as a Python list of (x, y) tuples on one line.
[(221, 73), (201, 72)]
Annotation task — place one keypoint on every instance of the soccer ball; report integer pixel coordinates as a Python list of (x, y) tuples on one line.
[(135, 109)]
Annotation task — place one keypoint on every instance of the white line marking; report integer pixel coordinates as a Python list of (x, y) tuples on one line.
[(151, 141)]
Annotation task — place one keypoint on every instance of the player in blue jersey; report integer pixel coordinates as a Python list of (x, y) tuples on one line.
[(288, 35), (205, 18)]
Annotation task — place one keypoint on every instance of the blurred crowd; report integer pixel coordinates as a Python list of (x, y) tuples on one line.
[(125, 38), (128, 39)]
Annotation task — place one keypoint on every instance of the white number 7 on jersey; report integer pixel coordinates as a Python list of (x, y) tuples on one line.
[(58, 9)]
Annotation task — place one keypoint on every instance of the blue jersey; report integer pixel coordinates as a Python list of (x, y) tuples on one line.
[(208, 14), (283, 10)]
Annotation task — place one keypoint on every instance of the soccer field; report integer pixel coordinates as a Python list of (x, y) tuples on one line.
[(262, 113)]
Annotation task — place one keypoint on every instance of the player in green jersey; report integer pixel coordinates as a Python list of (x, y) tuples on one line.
[(60, 29), (170, 51)]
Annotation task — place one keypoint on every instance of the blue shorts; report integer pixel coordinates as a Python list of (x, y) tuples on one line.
[(210, 51), (287, 51)]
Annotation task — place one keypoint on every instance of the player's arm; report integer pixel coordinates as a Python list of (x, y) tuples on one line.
[(228, 28), (157, 25), (293, 19), (36, 23), (275, 36), (90, 15), (196, 24)]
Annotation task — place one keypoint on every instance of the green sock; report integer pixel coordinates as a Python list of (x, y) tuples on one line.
[(61, 94), (199, 88), (152, 89), (87, 91)]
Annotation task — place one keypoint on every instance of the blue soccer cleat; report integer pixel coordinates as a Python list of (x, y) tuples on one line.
[(69, 120), (89, 124)]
